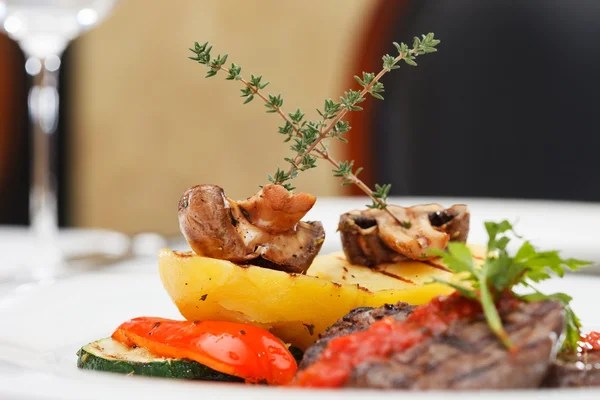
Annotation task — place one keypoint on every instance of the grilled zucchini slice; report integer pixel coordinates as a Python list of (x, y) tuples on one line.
[(111, 356)]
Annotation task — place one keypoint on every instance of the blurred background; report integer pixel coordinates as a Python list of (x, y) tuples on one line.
[(508, 107)]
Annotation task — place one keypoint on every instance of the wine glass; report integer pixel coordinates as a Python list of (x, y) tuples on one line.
[(43, 28)]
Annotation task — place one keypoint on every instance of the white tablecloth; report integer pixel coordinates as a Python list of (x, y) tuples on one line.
[(569, 226)]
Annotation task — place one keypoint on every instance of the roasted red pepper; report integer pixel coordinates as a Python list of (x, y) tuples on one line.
[(236, 349)]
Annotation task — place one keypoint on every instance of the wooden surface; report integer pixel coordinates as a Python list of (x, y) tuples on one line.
[(146, 124)]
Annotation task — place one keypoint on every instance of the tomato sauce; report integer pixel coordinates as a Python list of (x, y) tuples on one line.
[(591, 341), (383, 338)]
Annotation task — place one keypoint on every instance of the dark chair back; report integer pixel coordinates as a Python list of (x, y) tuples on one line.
[(508, 106), (14, 166)]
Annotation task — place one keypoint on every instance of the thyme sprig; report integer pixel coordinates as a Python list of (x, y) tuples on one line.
[(345, 170), (308, 137), (501, 272)]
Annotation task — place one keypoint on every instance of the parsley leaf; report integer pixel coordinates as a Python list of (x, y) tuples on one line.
[(572, 322), (501, 272)]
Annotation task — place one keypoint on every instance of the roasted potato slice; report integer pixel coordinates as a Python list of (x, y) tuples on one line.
[(297, 308), (403, 275)]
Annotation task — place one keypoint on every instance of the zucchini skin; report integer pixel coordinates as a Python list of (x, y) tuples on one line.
[(297, 353), (169, 368)]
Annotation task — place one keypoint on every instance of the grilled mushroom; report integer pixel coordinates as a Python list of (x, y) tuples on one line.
[(372, 237), (264, 229)]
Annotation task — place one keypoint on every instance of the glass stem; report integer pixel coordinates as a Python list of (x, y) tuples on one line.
[(43, 109)]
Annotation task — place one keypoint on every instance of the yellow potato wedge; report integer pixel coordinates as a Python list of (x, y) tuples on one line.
[(400, 276), (297, 308)]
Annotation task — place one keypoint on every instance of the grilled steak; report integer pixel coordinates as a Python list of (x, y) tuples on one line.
[(356, 320), (467, 355), (574, 370)]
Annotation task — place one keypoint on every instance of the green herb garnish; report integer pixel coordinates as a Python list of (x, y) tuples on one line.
[(502, 272), (308, 137)]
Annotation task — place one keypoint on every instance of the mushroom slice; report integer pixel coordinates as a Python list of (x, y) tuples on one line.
[(276, 209), (372, 237), (264, 230), (361, 242), (292, 251), (454, 221)]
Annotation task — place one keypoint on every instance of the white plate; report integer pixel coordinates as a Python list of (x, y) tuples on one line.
[(43, 325)]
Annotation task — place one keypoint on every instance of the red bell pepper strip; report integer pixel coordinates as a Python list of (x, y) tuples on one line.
[(232, 348)]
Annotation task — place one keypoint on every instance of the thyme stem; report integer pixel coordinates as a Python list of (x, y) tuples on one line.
[(261, 95), (309, 137), (324, 154), (324, 132), (363, 92)]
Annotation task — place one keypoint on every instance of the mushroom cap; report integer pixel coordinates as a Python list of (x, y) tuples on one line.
[(264, 230), (372, 237), (207, 222)]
